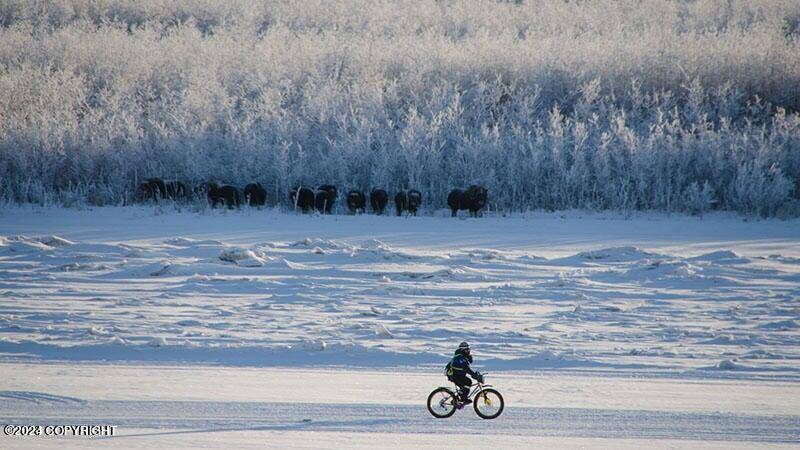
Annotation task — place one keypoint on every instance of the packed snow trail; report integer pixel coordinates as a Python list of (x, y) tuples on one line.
[(393, 418), (206, 403), (153, 403)]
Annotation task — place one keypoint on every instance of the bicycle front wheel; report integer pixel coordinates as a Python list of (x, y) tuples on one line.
[(442, 403), (488, 404)]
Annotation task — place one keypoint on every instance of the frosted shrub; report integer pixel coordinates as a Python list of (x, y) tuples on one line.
[(699, 200), (669, 105), (757, 192)]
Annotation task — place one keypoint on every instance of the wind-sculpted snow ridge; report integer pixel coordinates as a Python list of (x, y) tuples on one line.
[(366, 303), (242, 257), (24, 244)]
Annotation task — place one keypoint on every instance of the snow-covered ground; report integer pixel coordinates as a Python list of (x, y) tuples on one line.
[(687, 311), (290, 408)]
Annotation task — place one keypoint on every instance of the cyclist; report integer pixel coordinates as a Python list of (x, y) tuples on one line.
[(458, 368)]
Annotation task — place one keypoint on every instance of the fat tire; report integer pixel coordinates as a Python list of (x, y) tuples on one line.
[(430, 397), (484, 416)]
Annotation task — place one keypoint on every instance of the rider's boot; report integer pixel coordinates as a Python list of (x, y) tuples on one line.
[(465, 397)]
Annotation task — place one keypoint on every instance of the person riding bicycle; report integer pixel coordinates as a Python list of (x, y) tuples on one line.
[(458, 368)]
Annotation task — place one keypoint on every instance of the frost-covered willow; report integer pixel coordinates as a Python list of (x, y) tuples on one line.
[(670, 105)]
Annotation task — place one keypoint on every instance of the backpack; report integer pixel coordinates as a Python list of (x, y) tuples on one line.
[(448, 368)]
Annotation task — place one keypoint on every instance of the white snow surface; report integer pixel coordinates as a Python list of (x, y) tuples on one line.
[(235, 407), (267, 329), (695, 297)]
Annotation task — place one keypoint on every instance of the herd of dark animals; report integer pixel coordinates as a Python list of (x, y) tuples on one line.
[(472, 199)]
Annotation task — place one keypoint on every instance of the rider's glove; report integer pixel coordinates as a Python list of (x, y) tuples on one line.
[(479, 377)]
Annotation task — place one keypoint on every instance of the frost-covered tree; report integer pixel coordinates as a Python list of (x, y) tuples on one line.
[(668, 105)]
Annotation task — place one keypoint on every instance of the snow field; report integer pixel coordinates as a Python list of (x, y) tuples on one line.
[(360, 301)]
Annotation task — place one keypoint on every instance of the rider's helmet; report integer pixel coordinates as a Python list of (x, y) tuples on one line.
[(464, 347)]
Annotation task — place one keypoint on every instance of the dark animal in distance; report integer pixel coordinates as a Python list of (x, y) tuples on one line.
[(473, 199), (303, 198), (414, 201), (156, 189), (227, 195), (408, 201), (255, 194), (325, 198), (378, 198), (356, 201), (152, 189)]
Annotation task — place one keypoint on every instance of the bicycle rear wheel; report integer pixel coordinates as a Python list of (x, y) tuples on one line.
[(488, 403), (442, 403)]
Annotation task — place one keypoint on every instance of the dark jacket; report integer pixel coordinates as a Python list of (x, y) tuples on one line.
[(459, 365)]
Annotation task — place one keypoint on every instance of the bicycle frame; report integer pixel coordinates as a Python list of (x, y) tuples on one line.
[(477, 387), (474, 389)]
